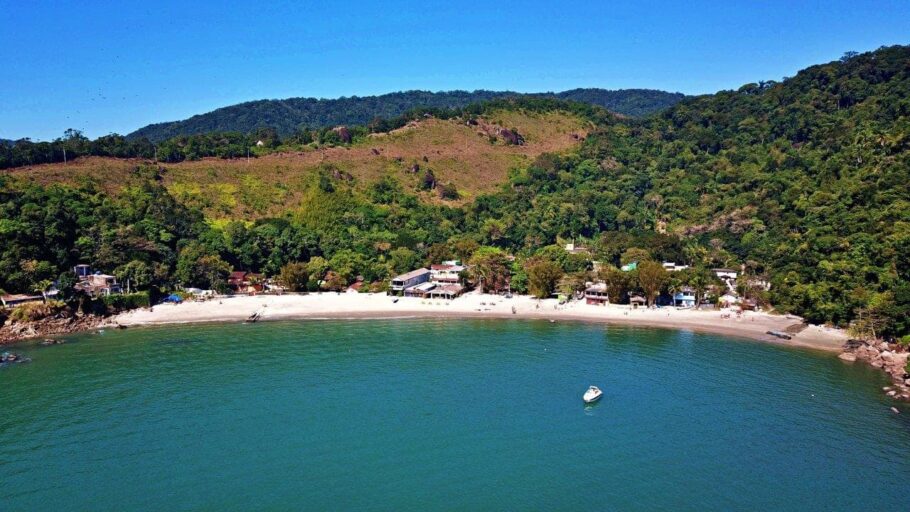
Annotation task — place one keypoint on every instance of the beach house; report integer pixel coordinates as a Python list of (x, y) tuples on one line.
[(684, 298), (446, 272), (596, 294), (98, 284), (446, 291), (413, 278), (95, 284)]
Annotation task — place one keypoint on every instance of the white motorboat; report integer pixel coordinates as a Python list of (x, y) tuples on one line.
[(593, 394)]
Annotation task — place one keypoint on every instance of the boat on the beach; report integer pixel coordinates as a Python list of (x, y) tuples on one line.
[(780, 334), (592, 395), (252, 319)]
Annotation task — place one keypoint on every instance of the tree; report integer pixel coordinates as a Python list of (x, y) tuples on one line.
[(402, 259), (334, 281), (634, 254), (196, 266), (618, 284), (651, 277), (542, 277), (294, 276), (42, 286), (213, 273), (573, 283), (136, 274), (490, 269), (700, 280), (464, 248)]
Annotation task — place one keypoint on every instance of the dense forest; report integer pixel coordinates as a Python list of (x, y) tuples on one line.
[(291, 115), (802, 182)]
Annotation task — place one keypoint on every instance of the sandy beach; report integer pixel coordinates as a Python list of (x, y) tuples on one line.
[(750, 325)]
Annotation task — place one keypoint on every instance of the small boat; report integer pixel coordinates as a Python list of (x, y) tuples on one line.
[(592, 395), (780, 334), (252, 319)]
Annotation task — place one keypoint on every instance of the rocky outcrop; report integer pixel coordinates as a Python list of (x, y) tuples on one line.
[(343, 133), (511, 137), (18, 331), (889, 357)]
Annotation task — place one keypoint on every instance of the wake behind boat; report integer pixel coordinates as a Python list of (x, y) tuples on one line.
[(592, 395)]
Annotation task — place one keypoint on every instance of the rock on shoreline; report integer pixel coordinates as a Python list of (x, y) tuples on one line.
[(889, 357), (15, 332)]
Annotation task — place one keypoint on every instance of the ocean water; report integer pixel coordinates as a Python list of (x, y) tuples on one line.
[(428, 414)]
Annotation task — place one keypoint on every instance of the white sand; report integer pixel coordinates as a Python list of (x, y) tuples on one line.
[(365, 305)]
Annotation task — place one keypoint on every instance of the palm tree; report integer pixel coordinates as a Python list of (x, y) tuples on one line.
[(42, 286)]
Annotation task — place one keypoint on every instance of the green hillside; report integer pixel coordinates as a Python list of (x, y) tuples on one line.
[(802, 183), (288, 115)]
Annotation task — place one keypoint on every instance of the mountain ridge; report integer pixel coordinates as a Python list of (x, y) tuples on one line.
[(290, 114)]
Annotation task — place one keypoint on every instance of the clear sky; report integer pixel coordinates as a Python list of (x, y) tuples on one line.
[(114, 66)]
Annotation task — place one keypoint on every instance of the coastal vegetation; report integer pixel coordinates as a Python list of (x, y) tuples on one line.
[(801, 183)]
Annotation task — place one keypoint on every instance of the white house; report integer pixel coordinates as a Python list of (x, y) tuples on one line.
[(728, 276), (413, 278), (671, 266), (447, 272)]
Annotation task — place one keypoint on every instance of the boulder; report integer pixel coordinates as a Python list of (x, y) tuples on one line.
[(511, 137), (895, 410), (891, 393), (847, 356), (877, 363), (343, 133)]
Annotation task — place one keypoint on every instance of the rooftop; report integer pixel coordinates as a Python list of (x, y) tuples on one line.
[(410, 275)]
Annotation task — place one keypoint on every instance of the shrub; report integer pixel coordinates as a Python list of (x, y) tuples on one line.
[(294, 277), (126, 302), (34, 311), (447, 191)]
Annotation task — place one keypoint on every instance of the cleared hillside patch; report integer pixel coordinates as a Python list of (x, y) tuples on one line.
[(470, 156)]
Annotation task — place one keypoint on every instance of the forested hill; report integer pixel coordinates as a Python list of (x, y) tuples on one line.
[(802, 183), (288, 115), (628, 102)]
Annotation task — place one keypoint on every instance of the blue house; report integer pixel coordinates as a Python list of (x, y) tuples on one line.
[(684, 298)]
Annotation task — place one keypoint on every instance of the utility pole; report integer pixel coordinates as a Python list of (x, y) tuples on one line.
[(64, 156)]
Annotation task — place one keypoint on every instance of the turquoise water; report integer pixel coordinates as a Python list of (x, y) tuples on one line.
[(443, 415)]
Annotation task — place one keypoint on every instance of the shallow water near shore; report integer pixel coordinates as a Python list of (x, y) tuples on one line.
[(443, 415)]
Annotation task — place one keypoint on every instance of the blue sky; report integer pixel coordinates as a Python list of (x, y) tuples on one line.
[(105, 67)]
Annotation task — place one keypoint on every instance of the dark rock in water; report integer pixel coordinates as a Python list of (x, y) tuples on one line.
[(13, 358), (853, 344)]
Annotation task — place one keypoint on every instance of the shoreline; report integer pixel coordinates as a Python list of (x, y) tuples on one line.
[(364, 306)]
